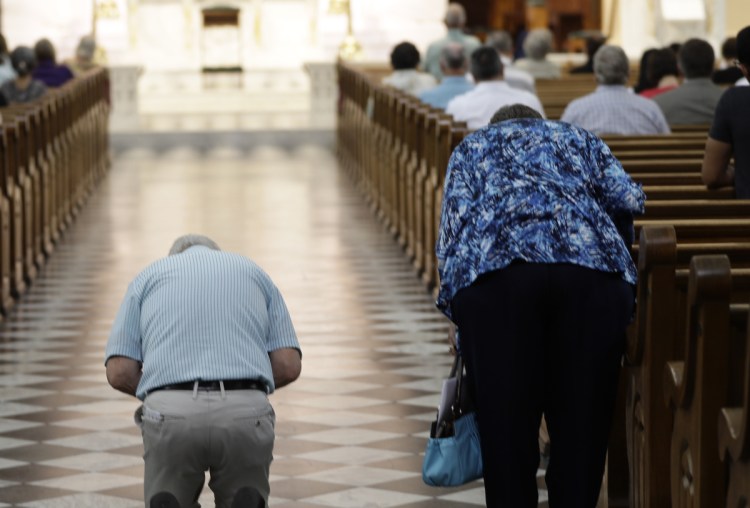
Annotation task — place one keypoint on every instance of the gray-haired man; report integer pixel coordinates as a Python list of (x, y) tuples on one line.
[(201, 338)]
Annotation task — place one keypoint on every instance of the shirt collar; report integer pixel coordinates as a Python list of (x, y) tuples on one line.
[(612, 88), (492, 84)]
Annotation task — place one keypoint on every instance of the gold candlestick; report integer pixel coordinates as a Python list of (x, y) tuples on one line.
[(350, 48)]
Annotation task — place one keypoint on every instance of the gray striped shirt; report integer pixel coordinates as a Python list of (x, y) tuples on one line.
[(201, 314)]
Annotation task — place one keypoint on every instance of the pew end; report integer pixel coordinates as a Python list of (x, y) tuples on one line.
[(734, 428), (696, 388)]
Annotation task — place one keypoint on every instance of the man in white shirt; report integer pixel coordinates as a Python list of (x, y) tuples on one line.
[(490, 94)]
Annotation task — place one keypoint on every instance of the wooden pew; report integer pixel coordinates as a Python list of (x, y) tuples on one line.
[(695, 154), (678, 191), (698, 386), (734, 426), (691, 208), (53, 151), (650, 165), (656, 337), (657, 179), (22, 201), (6, 221), (707, 379)]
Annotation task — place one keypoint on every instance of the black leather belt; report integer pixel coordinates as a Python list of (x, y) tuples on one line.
[(229, 384)]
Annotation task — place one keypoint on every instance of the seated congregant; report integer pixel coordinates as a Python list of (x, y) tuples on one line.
[(729, 73), (612, 108), (490, 94), (642, 82), (47, 70), (693, 102), (537, 45), (84, 57), (661, 68), (593, 43), (6, 67), (517, 78), (728, 135), (406, 77), (24, 88), (453, 64), (455, 22)]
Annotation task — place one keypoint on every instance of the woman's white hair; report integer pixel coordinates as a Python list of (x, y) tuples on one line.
[(538, 43), (186, 241), (611, 65)]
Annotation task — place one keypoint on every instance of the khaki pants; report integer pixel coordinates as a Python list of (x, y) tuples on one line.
[(229, 435)]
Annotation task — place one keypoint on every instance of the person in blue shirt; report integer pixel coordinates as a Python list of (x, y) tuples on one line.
[(538, 279), (454, 65), (201, 338)]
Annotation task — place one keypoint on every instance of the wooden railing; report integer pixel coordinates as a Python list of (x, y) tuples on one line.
[(397, 149), (52, 153)]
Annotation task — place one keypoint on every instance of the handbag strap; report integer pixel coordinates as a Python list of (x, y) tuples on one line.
[(458, 372)]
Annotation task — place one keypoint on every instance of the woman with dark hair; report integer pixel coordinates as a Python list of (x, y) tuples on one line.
[(662, 70), (47, 70), (404, 61), (24, 88), (643, 81)]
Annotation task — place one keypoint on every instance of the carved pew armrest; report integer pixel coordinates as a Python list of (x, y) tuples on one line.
[(730, 430), (673, 377)]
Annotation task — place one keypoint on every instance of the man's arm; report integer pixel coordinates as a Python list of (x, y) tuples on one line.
[(124, 374), (286, 364), (716, 171)]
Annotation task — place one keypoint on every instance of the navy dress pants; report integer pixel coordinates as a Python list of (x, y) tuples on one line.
[(544, 339)]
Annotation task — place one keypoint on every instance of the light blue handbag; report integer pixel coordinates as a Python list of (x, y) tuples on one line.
[(453, 455)]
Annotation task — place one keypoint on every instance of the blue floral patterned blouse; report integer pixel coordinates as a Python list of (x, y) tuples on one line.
[(532, 190)]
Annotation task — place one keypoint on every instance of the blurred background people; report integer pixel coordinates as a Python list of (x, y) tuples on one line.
[(455, 22), (643, 82), (47, 70), (728, 73), (406, 77), (84, 58), (6, 67), (24, 88), (517, 78), (537, 45), (454, 65), (593, 43), (662, 72), (693, 102)]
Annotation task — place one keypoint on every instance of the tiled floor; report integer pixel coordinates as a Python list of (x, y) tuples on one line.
[(350, 432)]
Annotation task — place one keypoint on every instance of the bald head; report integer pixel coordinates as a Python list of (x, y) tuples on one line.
[(455, 16)]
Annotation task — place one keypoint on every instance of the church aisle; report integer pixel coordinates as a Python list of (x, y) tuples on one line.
[(350, 432)]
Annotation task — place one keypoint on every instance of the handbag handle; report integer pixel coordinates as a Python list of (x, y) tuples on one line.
[(457, 371)]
